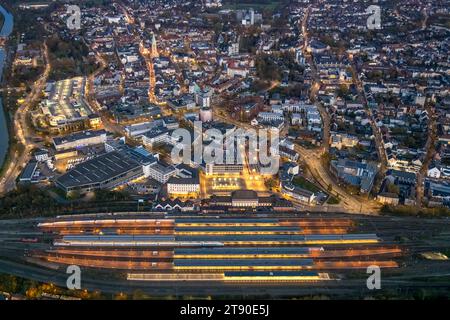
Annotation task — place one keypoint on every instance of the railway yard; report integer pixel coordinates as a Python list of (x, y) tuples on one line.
[(280, 255)]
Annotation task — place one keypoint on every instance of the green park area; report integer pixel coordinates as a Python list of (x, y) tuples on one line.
[(303, 183)]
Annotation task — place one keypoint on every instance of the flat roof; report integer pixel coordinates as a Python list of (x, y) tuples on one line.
[(237, 228), (225, 220), (281, 237), (244, 195), (78, 136), (28, 171), (65, 99), (270, 274), (163, 168), (243, 250), (241, 262), (238, 237), (178, 180), (94, 238), (98, 170), (156, 132)]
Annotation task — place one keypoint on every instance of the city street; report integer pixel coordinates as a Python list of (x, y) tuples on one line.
[(23, 133)]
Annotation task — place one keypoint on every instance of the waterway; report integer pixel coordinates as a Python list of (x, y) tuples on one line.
[(5, 31)]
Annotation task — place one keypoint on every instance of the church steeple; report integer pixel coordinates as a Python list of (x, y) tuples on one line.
[(154, 52)]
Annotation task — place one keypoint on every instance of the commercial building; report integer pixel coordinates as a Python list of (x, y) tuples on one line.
[(242, 199), (186, 182), (41, 155), (223, 168), (64, 154), (138, 129), (65, 107), (299, 194), (358, 174), (156, 136), (161, 172), (185, 102), (107, 171), (183, 186), (28, 172), (79, 139)]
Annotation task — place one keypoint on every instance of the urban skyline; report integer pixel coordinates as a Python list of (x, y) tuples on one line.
[(219, 148)]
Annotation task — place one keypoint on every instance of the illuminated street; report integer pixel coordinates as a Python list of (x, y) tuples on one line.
[(220, 150)]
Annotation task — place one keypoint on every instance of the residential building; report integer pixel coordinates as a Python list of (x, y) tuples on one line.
[(359, 174)]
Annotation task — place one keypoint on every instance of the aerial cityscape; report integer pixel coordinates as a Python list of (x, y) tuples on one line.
[(222, 149)]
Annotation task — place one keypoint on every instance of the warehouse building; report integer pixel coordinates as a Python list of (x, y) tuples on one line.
[(107, 171)]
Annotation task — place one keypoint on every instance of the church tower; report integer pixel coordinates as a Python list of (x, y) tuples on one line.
[(154, 51)]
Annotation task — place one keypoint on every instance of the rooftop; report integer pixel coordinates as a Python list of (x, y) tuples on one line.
[(98, 170), (78, 136)]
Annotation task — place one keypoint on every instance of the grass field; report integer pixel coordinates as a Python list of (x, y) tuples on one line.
[(305, 184)]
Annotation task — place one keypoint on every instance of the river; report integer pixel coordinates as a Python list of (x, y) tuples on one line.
[(5, 32)]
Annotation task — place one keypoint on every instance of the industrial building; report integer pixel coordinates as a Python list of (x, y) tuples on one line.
[(107, 171)]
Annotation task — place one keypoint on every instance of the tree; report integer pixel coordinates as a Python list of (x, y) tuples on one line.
[(392, 188), (121, 296), (343, 91), (271, 183), (73, 195), (8, 283), (266, 68), (139, 295), (106, 195), (326, 158), (27, 200)]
